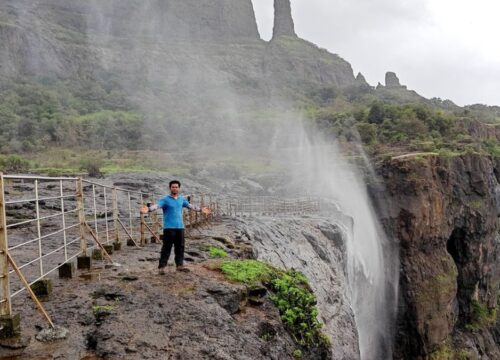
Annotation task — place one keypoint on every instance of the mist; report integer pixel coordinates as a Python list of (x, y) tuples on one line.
[(206, 101), (316, 166), (200, 107)]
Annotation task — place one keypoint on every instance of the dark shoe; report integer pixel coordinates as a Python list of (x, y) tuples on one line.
[(161, 271), (182, 268)]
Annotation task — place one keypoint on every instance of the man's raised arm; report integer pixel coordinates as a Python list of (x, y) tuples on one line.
[(192, 207), (149, 208)]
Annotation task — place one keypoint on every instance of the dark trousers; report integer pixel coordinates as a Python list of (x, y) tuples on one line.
[(175, 238)]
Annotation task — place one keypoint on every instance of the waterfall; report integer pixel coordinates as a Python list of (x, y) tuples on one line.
[(315, 165), (372, 268)]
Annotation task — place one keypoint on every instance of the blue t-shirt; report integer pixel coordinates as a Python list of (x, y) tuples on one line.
[(172, 211)]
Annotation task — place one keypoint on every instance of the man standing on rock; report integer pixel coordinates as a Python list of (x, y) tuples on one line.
[(173, 226)]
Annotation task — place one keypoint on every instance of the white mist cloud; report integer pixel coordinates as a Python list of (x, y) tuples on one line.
[(440, 48)]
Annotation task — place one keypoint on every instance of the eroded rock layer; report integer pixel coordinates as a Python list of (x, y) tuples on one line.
[(444, 213)]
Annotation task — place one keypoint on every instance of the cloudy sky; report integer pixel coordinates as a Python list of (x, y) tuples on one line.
[(440, 48)]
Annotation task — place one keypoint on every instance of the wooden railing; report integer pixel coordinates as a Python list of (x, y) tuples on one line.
[(46, 222)]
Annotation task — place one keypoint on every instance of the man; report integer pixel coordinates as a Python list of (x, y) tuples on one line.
[(173, 226)]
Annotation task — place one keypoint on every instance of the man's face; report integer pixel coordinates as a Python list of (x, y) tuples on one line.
[(174, 189)]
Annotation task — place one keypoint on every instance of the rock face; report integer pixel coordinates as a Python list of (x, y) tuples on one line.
[(46, 36), (443, 212), (360, 79), (316, 247), (391, 80), (209, 46), (283, 21)]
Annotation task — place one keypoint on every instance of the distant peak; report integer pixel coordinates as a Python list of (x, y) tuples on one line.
[(391, 80), (283, 21), (360, 79)]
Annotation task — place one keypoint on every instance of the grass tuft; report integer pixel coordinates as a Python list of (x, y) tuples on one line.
[(216, 252), (291, 294), (247, 271)]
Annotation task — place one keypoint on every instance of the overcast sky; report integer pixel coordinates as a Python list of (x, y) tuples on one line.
[(440, 48)]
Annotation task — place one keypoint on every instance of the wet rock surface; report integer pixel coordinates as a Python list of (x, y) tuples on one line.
[(314, 246), (132, 312), (52, 334)]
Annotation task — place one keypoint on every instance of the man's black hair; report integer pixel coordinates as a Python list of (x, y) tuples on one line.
[(174, 182)]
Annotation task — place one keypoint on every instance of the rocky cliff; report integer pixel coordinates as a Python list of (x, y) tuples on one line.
[(283, 21), (160, 44), (444, 213), (315, 246)]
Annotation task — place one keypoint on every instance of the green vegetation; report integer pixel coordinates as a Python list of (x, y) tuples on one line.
[(297, 305), (267, 336), (290, 293), (297, 354), (92, 166), (13, 164), (398, 126), (97, 119), (39, 113), (440, 286), (216, 252), (481, 316), (447, 353), (102, 308), (248, 272), (476, 204)]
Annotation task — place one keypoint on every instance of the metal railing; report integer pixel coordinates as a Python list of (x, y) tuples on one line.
[(271, 206), (47, 221)]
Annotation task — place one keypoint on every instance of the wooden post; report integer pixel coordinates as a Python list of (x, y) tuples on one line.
[(5, 305), (156, 225), (143, 236), (131, 228), (95, 211), (98, 243), (142, 219), (127, 232), (115, 215), (63, 218), (211, 207), (29, 290), (154, 218), (106, 214), (195, 214), (185, 220), (202, 205), (191, 213), (81, 217), (38, 228), (152, 233)]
